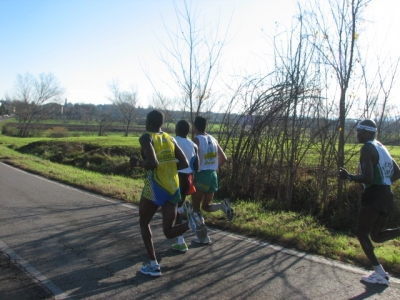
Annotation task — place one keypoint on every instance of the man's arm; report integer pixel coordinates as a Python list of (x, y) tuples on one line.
[(396, 172), (150, 162), (222, 159), (182, 162), (366, 176), (367, 168), (196, 160), (196, 141)]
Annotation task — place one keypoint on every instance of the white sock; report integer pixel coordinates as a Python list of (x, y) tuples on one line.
[(215, 207), (379, 269), (153, 263), (181, 240)]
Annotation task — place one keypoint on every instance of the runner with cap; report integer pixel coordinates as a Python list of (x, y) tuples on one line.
[(377, 172)]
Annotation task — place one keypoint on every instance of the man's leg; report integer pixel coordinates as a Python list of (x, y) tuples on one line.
[(169, 211), (225, 206), (370, 218), (196, 218), (207, 204), (367, 216), (207, 201), (183, 185), (197, 198), (178, 216), (180, 244), (147, 209), (378, 232)]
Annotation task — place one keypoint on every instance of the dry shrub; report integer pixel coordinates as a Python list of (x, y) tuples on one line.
[(57, 132), (9, 130)]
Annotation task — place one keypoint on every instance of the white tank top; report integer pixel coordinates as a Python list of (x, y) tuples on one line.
[(384, 169), (187, 147), (208, 152)]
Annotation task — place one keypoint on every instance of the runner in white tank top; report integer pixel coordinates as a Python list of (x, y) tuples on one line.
[(377, 172), (211, 157), (186, 185)]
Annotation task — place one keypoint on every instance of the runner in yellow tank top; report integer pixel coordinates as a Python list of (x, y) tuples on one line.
[(162, 157), (162, 183)]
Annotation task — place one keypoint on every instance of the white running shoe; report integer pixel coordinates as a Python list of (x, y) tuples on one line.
[(375, 277), (206, 241), (196, 224), (151, 270), (227, 209)]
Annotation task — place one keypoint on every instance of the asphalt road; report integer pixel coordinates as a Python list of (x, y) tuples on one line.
[(77, 245)]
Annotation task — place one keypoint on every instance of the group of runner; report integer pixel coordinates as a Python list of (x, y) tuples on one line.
[(178, 167), (174, 168)]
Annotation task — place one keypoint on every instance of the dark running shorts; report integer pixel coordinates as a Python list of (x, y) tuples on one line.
[(379, 197), (186, 183)]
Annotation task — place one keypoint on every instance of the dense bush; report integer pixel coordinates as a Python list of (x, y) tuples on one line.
[(306, 197), (107, 160), (9, 130)]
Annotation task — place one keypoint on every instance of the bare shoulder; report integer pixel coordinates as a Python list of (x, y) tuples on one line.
[(367, 148), (145, 138), (196, 140), (368, 152)]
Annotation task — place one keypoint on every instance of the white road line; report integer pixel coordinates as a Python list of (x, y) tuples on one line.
[(303, 255), (43, 281)]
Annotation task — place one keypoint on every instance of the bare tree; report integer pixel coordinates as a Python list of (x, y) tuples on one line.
[(192, 58), (297, 75), (104, 119), (378, 86), (32, 98), (126, 102), (334, 31)]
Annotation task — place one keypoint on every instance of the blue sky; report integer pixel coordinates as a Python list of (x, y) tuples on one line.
[(88, 43)]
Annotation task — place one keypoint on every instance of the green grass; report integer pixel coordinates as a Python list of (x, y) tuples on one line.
[(95, 140), (106, 141), (118, 187), (288, 229), (303, 233)]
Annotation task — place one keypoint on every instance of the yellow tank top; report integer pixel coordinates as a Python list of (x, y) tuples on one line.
[(166, 174)]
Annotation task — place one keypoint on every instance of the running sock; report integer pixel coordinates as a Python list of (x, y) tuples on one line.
[(153, 263), (215, 207), (379, 269), (181, 240)]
